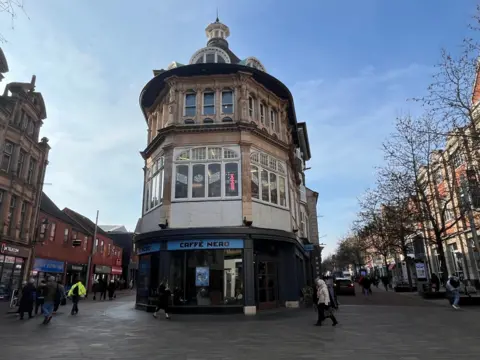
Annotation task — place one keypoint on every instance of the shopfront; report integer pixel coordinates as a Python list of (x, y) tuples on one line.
[(44, 268), (117, 272), (12, 266), (221, 274), (75, 272), (101, 272)]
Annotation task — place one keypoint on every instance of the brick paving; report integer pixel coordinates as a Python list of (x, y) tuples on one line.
[(114, 330)]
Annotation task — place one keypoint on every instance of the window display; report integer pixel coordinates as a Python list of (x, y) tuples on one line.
[(207, 277)]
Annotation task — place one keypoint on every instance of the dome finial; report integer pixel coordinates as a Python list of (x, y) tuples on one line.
[(218, 20)]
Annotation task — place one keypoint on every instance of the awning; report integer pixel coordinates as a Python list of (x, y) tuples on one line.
[(116, 270), (391, 266)]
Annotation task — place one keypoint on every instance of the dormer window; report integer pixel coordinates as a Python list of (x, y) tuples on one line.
[(210, 55)]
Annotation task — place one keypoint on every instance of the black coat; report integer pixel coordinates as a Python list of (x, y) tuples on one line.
[(163, 297), (28, 298)]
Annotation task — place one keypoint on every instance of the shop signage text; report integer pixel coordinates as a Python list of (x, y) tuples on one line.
[(205, 244), (79, 268), (13, 250), (48, 266), (102, 269), (146, 249)]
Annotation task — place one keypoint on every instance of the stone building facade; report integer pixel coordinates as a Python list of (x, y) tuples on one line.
[(225, 215), (22, 171)]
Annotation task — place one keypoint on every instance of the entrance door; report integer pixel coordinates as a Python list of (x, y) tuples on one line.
[(267, 287)]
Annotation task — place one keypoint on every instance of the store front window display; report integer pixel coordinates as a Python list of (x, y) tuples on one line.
[(207, 277), (11, 272)]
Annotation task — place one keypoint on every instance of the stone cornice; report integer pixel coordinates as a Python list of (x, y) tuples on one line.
[(211, 128)]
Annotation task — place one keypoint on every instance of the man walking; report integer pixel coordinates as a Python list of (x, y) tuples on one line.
[(50, 296), (76, 292)]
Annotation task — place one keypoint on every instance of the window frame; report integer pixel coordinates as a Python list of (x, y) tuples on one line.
[(23, 214), (53, 229), (12, 207), (208, 91), (190, 163), (66, 235), (22, 155), (262, 113), (269, 169), (8, 154), (85, 243), (32, 164), (232, 104), (155, 172), (251, 106), (274, 120), (185, 106)]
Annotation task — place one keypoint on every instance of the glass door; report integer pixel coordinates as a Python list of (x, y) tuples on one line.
[(267, 289)]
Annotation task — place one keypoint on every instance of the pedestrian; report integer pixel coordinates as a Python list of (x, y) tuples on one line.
[(366, 284), (76, 292), (111, 289), (435, 281), (164, 294), (95, 289), (27, 299), (453, 288), (385, 282), (324, 305), (40, 297), (102, 284), (49, 300), (60, 297), (131, 284)]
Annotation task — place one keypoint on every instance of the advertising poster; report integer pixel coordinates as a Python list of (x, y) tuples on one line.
[(421, 271), (202, 276)]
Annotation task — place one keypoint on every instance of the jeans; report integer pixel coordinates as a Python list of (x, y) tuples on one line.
[(75, 304), (39, 304), (48, 309), (455, 297)]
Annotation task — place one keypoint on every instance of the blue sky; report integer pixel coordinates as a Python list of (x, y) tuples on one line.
[(351, 66)]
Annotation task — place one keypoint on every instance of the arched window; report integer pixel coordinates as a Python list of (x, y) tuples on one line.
[(207, 172), (269, 182), (210, 55)]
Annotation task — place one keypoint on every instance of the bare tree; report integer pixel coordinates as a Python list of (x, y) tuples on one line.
[(351, 251), (10, 9), (412, 155)]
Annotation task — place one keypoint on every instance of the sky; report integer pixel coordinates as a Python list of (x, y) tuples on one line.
[(351, 65)]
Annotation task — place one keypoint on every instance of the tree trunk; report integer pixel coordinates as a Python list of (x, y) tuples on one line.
[(441, 255)]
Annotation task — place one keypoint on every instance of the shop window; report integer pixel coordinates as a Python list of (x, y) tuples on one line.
[(154, 184), (207, 173), (207, 277), (268, 181), (7, 156)]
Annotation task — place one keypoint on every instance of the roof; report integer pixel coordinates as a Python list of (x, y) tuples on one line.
[(3, 62), (84, 222), (153, 88), (114, 228), (47, 206)]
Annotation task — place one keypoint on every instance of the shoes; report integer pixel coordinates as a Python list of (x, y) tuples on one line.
[(456, 307), (335, 324), (155, 315), (168, 317)]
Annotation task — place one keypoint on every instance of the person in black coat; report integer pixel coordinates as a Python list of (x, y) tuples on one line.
[(164, 294), (111, 289), (27, 299)]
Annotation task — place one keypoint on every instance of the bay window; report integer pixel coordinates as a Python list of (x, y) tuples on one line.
[(227, 102), (268, 179), (154, 184), (206, 173)]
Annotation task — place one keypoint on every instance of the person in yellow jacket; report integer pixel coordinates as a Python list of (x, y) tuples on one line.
[(76, 292)]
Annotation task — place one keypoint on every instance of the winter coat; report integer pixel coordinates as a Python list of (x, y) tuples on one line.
[(27, 299), (77, 290), (51, 290), (453, 284), (322, 293), (163, 297)]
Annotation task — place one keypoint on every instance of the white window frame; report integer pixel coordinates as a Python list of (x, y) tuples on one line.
[(155, 174), (274, 120), (202, 53), (279, 169), (208, 91), (190, 163), (251, 106), (185, 107), (232, 104), (262, 113)]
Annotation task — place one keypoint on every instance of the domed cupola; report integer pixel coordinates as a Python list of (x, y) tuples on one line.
[(217, 50)]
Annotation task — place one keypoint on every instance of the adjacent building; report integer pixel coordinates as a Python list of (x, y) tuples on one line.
[(225, 216), (24, 158)]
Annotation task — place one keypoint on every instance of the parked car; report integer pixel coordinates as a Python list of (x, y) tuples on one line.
[(344, 286)]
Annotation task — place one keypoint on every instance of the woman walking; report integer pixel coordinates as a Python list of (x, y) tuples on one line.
[(324, 305), (27, 299), (163, 299)]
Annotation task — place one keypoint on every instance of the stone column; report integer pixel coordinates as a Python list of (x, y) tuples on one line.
[(250, 307)]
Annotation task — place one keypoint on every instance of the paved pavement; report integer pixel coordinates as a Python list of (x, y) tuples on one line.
[(376, 330)]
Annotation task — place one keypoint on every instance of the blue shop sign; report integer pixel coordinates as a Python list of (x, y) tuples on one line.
[(308, 247), (50, 266), (146, 249), (205, 244)]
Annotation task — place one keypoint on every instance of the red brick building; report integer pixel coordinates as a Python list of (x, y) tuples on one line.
[(64, 244), (106, 256)]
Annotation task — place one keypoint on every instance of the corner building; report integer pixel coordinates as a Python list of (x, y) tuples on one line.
[(225, 217)]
